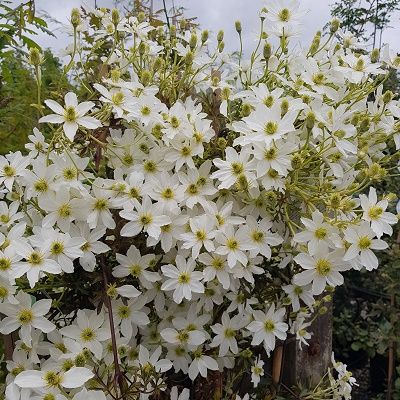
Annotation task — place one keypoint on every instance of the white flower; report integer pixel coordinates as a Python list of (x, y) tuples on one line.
[(362, 242), (72, 115), (183, 279), (73, 378), (374, 212), (25, 316), (321, 269), (257, 370), (147, 218), (200, 364), (89, 331), (226, 334), (12, 166), (268, 326)]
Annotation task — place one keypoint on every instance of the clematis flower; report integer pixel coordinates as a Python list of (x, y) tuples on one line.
[(72, 115)]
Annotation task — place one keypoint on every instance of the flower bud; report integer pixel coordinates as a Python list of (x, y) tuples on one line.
[(375, 55), (238, 27), (204, 36), (221, 46), (115, 75), (296, 161), (142, 48), (335, 25), (246, 109), (189, 58), (323, 310), (141, 17), (222, 143), (145, 77), (193, 41), (35, 56), (75, 17), (335, 201), (220, 36), (172, 31), (310, 120), (115, 18), (267, 51), (387, 96), (365, 124), (158, 63), (284, 107)]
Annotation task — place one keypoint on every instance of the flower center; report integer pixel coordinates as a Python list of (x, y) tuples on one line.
[(257, 236), (229, 333), (35, 259), (145, 110), (64, 211), (284, 15), (5, 264), (145, 219), (124, 312), (41, 185), (320, 233), (232, 244), (25, 317), (118, 98), (270, 154), (70, 114), (57, 248), (269, 325), (167, 194), (88, 334), (135, 270), (184, 278), (101, 204), (271, 128), (201, 235), (364, 243), (8, 171), (375, 212), (323, 267), (52, 378), (237, 168)]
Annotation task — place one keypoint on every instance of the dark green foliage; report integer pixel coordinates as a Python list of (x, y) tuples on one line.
[(18, 93)]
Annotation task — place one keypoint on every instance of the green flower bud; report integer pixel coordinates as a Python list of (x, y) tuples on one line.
[(189, 58), (310, 120), (220, 36), (222, 143), (375, 53), (142, 48), (335, 25), (35, 56), (284, 107), (204, 36), (221, 46), (387, 96), (115, 18), (246, 109), (296, 161), (365, 124), (267, 51), (158, 63), (141, 17), (75, 17), (323, 310), (193, 41), (172, 31), (335, 201), (145, 77), (238, 27)]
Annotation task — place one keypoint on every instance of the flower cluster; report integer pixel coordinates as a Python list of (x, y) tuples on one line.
[(199, 202)]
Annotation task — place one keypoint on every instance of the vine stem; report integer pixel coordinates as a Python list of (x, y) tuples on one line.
[(107, 300)]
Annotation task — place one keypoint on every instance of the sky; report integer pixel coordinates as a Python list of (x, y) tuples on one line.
[(212, 15)]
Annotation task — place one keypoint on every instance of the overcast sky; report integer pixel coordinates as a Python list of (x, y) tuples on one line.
[(212, 15)]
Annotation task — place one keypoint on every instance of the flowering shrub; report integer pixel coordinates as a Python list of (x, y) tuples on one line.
[(190, 206)]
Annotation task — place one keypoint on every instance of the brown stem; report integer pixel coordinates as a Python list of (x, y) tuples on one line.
[(118, 378)]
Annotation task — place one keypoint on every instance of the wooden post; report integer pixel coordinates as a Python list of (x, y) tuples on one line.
[(307, 366)]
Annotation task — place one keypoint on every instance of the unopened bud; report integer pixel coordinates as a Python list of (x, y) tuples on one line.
[(204, 36), (335, 25), (296, 161), (142, 48), (375, 55), (75, 17), (365, 124), (267, 51), (35, 56), (193, 41), (310, 120), (284, 107), (222, 143), (189, 58), (221, 46), (141, 17), (238, 27), (246, 109), (115, 18), (220, 36), (387, 96), (323, 310), (145, 77)]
